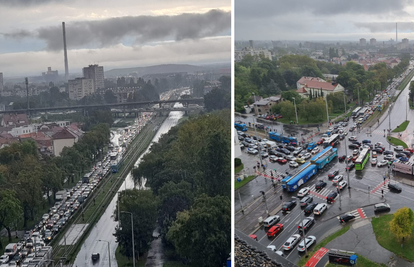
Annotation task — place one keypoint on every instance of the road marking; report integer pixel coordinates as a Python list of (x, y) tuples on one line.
[(316, 257), (361, 213)]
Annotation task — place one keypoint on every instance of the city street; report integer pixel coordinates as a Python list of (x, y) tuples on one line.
[(364, 189)]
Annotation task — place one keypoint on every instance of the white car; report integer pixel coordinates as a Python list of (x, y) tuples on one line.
[(320, 208), (293, 164), (292, 158), (303, 192), (4, 259), (307, 155), (399, 148), (342, 185), (310, 240), (382, 163), (315, 150), (252, 151), (337, 179), (273, 158), (291, 242), (352, 138)]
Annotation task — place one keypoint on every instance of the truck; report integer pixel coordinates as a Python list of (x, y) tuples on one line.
[(61, 195), (43, 257)]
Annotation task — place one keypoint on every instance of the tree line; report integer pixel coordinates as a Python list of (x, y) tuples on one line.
[(268, 78), (26, 176), (188, 173)]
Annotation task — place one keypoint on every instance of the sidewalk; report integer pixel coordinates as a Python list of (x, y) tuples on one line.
[(360, 238)]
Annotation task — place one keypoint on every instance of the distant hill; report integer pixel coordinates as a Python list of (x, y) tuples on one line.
[(167, 68)]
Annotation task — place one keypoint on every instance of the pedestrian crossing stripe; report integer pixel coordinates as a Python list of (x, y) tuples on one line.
[(358, 213), (320, 193), (380, 188), (277, 176)]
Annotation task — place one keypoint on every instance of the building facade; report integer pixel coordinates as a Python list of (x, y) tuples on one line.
[(96, 73), (373, 41), (1, 82), (80, 87), (239, 55), (362, 42), (264, 106)]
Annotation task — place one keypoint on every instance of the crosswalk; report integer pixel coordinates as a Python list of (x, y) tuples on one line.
[(381, 189), (320, 193), (358, 213)]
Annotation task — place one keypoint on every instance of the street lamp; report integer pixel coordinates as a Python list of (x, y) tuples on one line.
[(296, 112), (347, 161), (133, 245), (109, 251)]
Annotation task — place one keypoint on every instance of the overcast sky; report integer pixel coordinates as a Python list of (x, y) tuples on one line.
[(121, 33), (315, 20)]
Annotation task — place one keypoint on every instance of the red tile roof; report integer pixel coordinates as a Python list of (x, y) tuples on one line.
[(301, 90), (64, 134), (318, 85), (305, 79)]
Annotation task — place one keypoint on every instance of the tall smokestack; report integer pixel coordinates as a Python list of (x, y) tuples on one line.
[(65, 52), (27, 92)]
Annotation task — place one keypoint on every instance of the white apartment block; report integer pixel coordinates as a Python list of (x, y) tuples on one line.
[(80, 87), (96, 73), (17, 131), (239, 55)]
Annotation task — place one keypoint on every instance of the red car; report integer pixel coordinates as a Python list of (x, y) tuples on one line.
[(253, 237), (274, 230), (279, 116), (320, 142), (281, 160), (409, 149)]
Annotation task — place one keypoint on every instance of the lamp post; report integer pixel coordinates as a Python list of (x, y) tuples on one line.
[(133, 245), (255, 131), (346, 160), (109, 251), (296, 112), (344, 104)]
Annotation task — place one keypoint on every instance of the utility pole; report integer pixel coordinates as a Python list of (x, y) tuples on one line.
[(347, 161), (327, 114), (264, 198), (241, 204), (255, 131), (344, 104)]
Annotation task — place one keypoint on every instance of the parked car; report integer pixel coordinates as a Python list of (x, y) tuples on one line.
[(271, 220), (389, 158), (350, 166), (374, 154), (398, 148), (342, 185), (342, 158), (307, 155), (306, 224), (315, 150), (293, 164), (353, 146), (352, 138), (374, 162)]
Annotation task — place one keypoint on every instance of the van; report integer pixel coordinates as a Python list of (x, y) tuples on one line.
[(11, 250), (271, 221)]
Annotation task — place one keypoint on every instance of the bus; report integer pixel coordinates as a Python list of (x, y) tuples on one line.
[(240, 126), (362, 111), (362, 159), (116, 164), (113, 156), (292, 183), (85, 178), (324, 157), (355, 112), (333, 140)]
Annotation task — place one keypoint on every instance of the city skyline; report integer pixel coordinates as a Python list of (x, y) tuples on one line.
[(113, 35), (319, 20)]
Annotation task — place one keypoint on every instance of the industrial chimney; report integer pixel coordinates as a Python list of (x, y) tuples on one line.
[(65, 52)]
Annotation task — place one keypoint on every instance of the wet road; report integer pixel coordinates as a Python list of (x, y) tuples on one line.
[(366, 190), (104, 229)]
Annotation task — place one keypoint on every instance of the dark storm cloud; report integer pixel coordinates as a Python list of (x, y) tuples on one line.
[(385, 26), (25, 2), (272, 8), (143, 28)]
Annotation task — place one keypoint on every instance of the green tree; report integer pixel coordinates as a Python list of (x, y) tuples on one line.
[(402, 223), (287, 109), (203, 233), (143, 205), (217, 99), (10, 210), (110, 97)]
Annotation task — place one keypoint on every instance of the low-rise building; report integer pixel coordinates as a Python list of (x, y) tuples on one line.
[(264, 106), (319, 88)]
